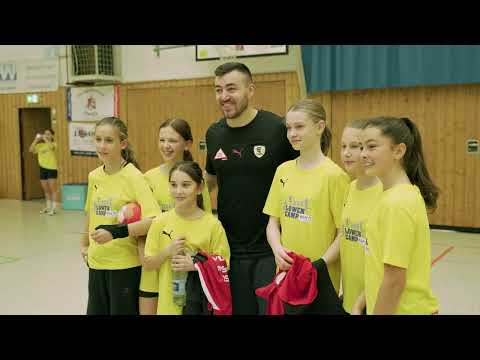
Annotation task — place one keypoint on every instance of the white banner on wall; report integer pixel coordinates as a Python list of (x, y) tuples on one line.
[(92, 103), (212, 52), (81, 138), (29, 75)]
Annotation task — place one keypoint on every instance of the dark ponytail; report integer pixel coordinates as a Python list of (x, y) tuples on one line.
[(403, 130), (416, 168), (182, 127), (129, 156), (187, 155), (193, 170), (115, 122)]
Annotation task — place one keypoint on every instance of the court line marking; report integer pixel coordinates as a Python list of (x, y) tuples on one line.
[(442, 254), (7, 259)]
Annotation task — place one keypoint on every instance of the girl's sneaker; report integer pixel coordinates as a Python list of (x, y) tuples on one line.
[(51, 212)]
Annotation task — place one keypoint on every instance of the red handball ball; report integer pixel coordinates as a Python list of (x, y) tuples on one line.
[(130, 213)]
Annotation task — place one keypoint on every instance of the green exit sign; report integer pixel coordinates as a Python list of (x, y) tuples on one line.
[(32, 99)]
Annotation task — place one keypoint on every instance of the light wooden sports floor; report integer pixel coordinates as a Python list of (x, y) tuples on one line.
[(41, 271)]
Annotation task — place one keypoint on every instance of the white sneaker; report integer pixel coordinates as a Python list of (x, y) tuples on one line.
[(45, 211), (51, 212)]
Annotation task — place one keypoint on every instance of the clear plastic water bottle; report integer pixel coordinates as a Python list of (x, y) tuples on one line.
[(179, 281)]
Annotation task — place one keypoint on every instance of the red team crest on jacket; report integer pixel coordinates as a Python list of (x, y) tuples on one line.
[(213, 274)]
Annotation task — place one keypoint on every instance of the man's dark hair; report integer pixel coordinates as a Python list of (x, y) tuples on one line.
[(231, 66)]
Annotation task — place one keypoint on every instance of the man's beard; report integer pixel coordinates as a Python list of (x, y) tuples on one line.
[(237, 113)]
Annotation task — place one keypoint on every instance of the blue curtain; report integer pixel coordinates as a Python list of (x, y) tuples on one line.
[(348, 67)]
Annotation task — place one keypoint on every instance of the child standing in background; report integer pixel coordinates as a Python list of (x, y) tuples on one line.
[(44, 145)]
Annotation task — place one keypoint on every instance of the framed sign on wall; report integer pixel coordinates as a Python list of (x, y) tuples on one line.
[(214, 52)]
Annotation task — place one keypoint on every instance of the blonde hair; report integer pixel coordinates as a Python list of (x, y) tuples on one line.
[(315, 111)]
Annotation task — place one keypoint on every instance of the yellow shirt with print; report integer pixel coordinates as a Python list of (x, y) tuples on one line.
[(398, 234), (205, 233), (106, 195), (358, 206), (46, 155), (309, 205), (160, 186)]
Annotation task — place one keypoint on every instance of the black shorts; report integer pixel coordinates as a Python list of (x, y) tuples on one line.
[(47, 174), (113, 292), (247, 275), (148, 294)]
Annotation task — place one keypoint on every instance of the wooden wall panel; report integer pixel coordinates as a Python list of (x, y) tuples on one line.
[(345, 106), (474, 163), (160, 104), (435, 104), (446, 117), (448, 163), (10, 147), (71, 169), (150, 103), (142, 106), (458, 120)]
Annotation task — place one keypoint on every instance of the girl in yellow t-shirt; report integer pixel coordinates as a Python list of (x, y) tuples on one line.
[(177, 234), (362, 196), (44, 145), (114, 265), (306, 196), (174, 143), (397, 252)]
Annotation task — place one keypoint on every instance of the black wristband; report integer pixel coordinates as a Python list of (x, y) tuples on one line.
[(117, 230)]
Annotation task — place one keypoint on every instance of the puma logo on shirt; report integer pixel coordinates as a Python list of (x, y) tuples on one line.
[(168, 234), (237, 152)]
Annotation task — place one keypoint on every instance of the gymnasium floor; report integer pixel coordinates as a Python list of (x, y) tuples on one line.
[(41, 271)]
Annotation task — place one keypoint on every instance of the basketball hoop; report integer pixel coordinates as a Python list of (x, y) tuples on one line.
[(226, 53)]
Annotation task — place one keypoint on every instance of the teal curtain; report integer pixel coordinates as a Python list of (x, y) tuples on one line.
[(348, 67)]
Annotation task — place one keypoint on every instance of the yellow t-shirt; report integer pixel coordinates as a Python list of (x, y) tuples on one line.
[(205, 233), (357, 208), (398, 234), (106, 195), (309, 205), (46, 156), (160, 186)]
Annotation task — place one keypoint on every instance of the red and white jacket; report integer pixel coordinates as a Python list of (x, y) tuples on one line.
[(213, 274)]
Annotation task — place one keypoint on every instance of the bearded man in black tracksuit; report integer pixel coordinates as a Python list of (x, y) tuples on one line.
[(243, 151)]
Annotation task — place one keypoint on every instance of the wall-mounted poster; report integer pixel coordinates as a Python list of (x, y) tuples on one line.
[(213, 52), (92, 103), (81, 139), (29, 75)]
